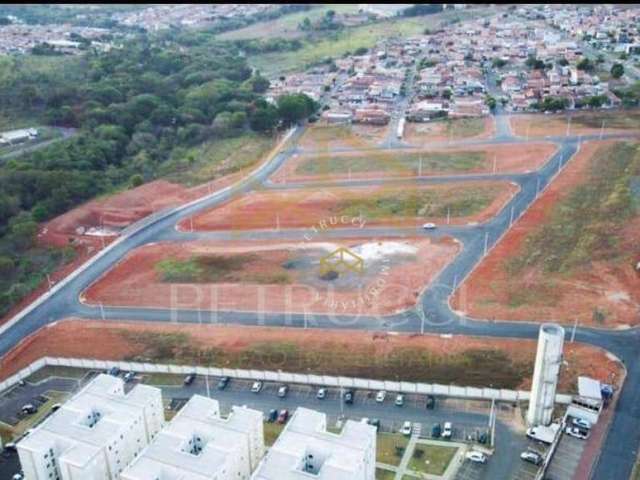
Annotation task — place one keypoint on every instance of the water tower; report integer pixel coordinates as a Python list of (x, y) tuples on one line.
[(545, 374)]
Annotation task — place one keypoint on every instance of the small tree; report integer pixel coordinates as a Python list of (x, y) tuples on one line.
[(136, 180), (617, 70)]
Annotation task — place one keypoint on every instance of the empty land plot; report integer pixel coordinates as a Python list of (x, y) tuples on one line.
[(582, 123), (574, 255), (458, 360), (398, 205), (327, 137), (502, 158), (271, 276), (422, 134)]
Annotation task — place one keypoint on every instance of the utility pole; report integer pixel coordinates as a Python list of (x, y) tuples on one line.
[(448, 215), (420, 167), (602, 129), (206, 381), (511, 218), (568, 125), (102, 311), (495, 165), (573, 331), (49, 281), (486, 242), (538, 188), (455, 283), (422, 319)]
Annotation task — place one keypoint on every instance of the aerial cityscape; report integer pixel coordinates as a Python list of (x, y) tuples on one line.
[(331, 241)]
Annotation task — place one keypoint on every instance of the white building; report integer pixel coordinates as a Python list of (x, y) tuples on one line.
[(545, 374), (95, 435), (199, 444), (305, 449)]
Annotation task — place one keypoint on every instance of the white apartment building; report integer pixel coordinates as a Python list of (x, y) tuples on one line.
[(305, 449), (199, 444), (94, 435)]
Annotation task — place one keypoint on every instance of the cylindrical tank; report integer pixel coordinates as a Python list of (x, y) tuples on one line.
[(545, 374)]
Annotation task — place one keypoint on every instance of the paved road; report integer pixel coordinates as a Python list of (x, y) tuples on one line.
[(433, 313)]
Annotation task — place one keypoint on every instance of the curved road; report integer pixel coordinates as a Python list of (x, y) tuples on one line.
[(432, 314)]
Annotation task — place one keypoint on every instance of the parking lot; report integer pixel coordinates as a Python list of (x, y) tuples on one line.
[(566, 459), (469, 417)]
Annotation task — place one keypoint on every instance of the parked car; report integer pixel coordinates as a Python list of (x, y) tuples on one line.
[(55, 407), (284, 415), (256, 387), (581, 423), (431, 402), (531, 457), (477, 457), (348, 397), (223, 382), (273, 415), (322, 393), (115, 371), (406, 428), (429, 226), (375, 422), (380, 396), (576, 433), (129, 376), (447, 432), (29, 408), (436, 430), (399, 400), (17, 476), (188, 380), (282, 391)]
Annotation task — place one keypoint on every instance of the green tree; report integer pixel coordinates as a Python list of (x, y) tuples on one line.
[(617, 70), (136, 180), (295, 107)]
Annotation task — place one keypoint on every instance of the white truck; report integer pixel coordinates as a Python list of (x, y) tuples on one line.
[(542, 433)]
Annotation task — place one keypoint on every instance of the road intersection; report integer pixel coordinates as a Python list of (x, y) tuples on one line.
[(431, 315)]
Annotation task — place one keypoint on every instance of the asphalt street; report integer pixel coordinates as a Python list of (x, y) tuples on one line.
[(432, 315)]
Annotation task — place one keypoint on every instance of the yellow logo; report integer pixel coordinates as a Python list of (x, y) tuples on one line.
[(340, 261)]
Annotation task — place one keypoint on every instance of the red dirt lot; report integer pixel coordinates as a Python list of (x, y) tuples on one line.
[(541, 125), (424, 133), (324, 136), (267, 209), (509, 158), (390, 282), (79, 338), (607, 286)]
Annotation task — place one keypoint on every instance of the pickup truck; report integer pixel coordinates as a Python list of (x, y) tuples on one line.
[(542, 433)]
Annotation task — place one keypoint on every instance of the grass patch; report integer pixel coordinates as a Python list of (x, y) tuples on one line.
[(162, 379), (458, 201), (217, 269), (411, 364), (394, 162), (56, 371), (464, 127), (336, 44), (271, 432), (431, 459), (390, 448), (621, 120), (384, 474), (586, 225), (215, 159)]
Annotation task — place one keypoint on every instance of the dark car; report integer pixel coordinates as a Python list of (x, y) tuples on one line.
[(436, 430), (223, 382), (273, 415), (348, 397), (115, 371), (283, 416), (188, 380), (375, 422), (431, 402)]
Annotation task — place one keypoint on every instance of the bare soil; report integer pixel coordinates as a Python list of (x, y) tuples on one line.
[(611, 287), (427, 358), (506, 158), (299, 208), (582, 123), (390, 282), (422, 134)]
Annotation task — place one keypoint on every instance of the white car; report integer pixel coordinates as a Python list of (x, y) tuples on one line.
[(406, 428), (447, 432), (256, 387), (531, 457), (477, 457), (322, 393), (429, 226), (581, 422), (576, 433), (399, 400), (380, 396)]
